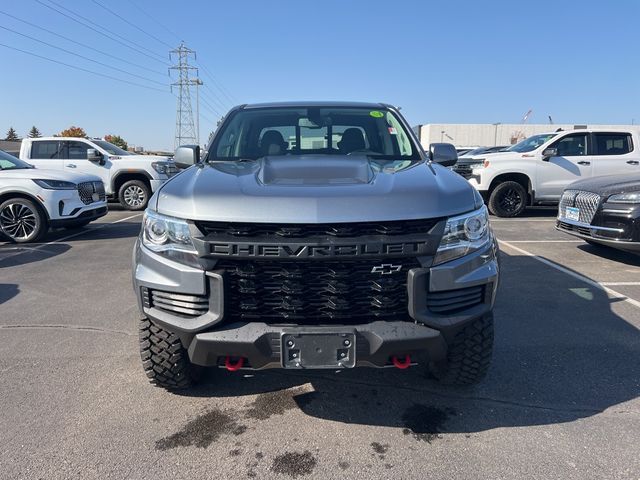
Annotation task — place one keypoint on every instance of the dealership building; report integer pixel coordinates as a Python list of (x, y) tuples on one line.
[(490, 134)]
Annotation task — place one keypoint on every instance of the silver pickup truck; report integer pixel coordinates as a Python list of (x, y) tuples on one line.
[(315, 235)]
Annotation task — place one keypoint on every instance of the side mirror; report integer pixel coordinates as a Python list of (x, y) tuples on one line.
[(548, 153), (443, 153), (94, 155), (187, 155)]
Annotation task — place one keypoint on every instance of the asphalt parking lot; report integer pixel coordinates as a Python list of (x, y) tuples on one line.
[(560, 401)]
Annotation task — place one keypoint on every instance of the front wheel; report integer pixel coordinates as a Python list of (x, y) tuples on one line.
[(508, 199), (22, 221), (164, 359), (469, 354), (134, 195)]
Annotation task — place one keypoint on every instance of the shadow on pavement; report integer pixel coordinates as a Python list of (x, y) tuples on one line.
[(13, 255), (620, 256), (8, 291), (561, 354)]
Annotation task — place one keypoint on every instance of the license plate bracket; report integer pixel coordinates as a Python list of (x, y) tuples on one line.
[(572, 213), (318, 350)]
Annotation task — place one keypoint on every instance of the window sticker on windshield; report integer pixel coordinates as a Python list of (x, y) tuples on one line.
[(393, 131), (376, 114)]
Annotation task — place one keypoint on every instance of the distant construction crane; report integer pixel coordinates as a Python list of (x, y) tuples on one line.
[(187, 131)]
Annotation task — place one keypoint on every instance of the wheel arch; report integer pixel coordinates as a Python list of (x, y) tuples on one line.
[(518, 177), (120, 178), (6, 195)]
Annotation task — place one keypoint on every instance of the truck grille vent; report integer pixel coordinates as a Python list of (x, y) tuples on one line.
[(315, 293), (185, 305), (87, 189), (587, 202), (280, 230), (452, 301)]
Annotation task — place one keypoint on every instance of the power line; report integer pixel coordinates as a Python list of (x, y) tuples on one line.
[(131, 23), (81, 44), (218, 86), (214, 100), (73, 12), (81, 56), (100, 32), (81, 68), (154, 20)]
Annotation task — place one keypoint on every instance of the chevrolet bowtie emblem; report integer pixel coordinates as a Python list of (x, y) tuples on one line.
[(386, 269)]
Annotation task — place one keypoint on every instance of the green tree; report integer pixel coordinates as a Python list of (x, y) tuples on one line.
[(34, 132), (117, 140), (12, 136), (73, 132)]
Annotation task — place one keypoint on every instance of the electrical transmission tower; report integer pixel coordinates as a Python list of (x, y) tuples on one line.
[(187, 131)]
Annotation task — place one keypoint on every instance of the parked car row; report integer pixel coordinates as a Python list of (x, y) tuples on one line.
[(592, 174)]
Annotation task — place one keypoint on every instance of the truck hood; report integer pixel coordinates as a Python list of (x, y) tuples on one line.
[(147, 159), (314, 189), (608, 184), (44, 174)]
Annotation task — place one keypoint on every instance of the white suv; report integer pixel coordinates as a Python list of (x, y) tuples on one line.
[(129, 178), (32, 200), (536, 170)]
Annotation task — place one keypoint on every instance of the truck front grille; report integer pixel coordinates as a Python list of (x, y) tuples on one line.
[(87, 189), (463, 169), (587, 202), (279, 230), (316, 293), (452, 301)]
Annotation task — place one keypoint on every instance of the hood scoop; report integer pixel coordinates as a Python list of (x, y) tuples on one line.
[(315, 170)]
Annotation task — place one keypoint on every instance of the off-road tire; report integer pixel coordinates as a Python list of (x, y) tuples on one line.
[(469, 354), (132, 190), (508, 199), (164, 359), (31, 213)]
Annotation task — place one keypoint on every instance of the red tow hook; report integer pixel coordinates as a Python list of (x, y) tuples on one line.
[(233, 367), (401, 365)]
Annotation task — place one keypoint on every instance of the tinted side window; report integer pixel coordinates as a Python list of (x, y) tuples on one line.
[(572, 145), (613, 143), (46, 150), (77, 150)]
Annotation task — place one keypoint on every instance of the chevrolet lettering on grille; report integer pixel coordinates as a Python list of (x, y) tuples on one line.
[(296, 250)]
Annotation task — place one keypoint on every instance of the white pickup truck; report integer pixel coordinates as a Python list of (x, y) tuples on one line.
[(129, 178), (536, 170)]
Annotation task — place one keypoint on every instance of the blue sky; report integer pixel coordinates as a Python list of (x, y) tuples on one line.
[(442, 62)]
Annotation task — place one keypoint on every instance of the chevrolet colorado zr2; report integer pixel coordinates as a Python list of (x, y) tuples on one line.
[(315, 235)]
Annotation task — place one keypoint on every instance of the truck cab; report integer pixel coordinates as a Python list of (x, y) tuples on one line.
[(537, 170), (129, 178)]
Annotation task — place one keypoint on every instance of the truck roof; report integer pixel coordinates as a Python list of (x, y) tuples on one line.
[(314, 104)]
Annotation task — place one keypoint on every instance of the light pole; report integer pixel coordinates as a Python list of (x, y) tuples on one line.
[(495, 133), (442, 136)]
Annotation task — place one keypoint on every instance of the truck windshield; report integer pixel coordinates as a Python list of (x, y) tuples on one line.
[(111, 148), (9, 162), (531, 143), (258, 132)]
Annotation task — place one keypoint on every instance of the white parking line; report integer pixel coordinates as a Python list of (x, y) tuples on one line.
[(77, 234), (620, 284), (573, 274)]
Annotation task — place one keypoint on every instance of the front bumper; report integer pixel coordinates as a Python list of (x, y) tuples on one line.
[(209, 338), (65, 207), (261, 345)]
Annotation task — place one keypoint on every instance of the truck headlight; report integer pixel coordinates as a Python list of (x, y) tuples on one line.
[(631, 197), (55, 184), (463, 235), (165, 168), (168, 236)]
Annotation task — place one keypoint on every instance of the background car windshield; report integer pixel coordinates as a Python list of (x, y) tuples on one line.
[(256, 133), (9, 162), (111, 148), (531, 143)]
